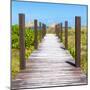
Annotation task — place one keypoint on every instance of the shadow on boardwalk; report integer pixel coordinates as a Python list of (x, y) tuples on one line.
[(50, 65)]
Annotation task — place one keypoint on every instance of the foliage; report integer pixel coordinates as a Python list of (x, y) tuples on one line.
[(29, 37), (71, 46), (15, 36), (15, 62), (15, 59)]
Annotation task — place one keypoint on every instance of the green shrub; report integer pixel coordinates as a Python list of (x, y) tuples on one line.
[(29, 37)]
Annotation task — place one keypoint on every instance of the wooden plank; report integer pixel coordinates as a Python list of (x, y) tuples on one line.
[(77, 40), (35, 35), (22, 40), (53, 66), (66, 34)]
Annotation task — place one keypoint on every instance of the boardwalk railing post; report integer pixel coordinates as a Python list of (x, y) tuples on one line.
[(22, 40), (61, 31), (77, 40), (35, 35), (66, 34), (58, 30), (43, 30), (40, 31)]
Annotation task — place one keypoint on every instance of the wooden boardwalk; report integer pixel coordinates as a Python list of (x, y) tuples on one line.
[(50, 65)]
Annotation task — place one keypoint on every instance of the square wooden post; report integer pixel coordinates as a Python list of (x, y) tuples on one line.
[(22, 40), (44, 29), (58, 31), (61, 31), (66, 34), (40, 31), (77, 40), (35, 35)]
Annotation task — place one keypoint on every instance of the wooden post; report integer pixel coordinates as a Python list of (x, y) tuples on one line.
[(40, 31), (43, 27), (66, 34), (35, 35), (77, 40), (22, 41), (56, 29), (61, 31)]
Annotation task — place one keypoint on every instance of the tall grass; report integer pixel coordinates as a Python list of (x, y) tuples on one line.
[(71, 46)]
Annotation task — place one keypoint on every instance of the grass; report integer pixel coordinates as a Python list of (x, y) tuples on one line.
[(71, 46), (15, 59), (15, 62), (29, 45)]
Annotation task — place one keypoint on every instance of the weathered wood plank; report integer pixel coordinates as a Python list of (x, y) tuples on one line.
[(50, 65)]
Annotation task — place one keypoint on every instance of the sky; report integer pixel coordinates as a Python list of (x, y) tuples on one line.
[(49, 13)]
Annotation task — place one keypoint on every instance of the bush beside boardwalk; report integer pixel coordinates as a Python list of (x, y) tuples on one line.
[(71, 46)]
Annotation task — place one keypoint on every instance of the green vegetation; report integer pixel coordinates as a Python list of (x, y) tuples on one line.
[(29, 46), (29, 37), (71, 45)]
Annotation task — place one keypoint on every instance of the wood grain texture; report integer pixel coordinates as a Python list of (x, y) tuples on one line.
[(22, 41), (50, 65), (35, 34), (77, 41), (66, 34)]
